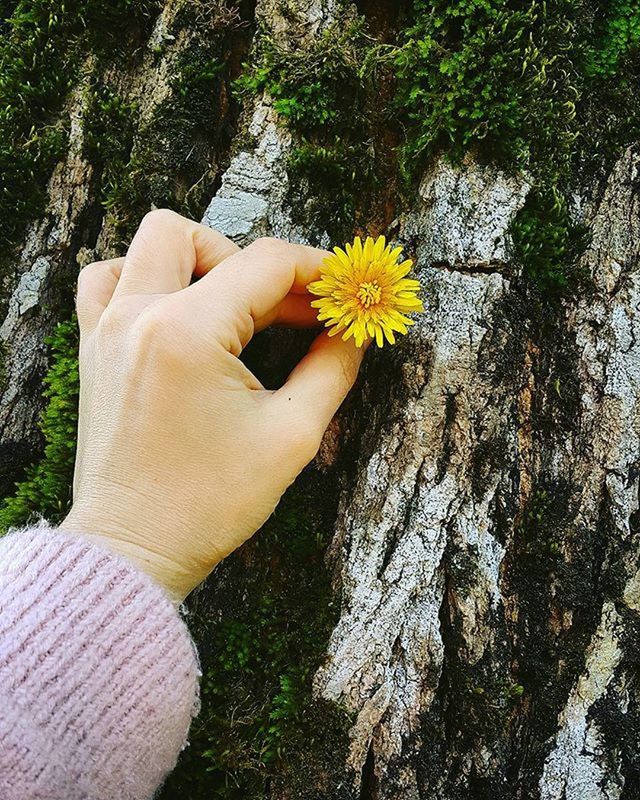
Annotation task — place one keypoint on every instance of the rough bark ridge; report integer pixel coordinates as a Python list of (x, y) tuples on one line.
[(486, 556), (29, 316), (76, 228)]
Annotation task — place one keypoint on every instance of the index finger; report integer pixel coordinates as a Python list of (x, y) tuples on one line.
[(254, 281), (167, 251)]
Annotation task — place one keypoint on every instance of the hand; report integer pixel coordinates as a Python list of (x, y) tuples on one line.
[(182, 453)]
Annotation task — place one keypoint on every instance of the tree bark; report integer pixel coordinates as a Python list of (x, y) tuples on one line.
[(480, 485)]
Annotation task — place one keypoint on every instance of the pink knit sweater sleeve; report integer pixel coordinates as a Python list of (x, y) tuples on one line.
[(98, 674)]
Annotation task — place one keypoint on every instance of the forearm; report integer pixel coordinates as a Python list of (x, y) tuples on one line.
[(98, 674)]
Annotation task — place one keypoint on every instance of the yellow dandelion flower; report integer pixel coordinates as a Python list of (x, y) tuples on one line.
[(364, 292)]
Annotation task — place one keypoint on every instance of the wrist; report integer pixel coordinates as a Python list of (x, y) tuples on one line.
[(162, 570)]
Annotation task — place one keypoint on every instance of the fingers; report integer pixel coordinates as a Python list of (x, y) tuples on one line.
[(317, 386), (294, 311), (248, 291), (267, 281), (96, 285), (167, 251)]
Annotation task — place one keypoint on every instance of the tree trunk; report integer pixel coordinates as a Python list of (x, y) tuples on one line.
[(447, 603)]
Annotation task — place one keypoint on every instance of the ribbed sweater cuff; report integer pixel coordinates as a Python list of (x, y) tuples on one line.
[(98, 673)]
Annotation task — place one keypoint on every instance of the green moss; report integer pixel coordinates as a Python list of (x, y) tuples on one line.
[(616, 36), (537, 528), (487, 74), (40, 53), (109, 126), (170, 161), (260, 725), (47, 487), (550, 86), (547, 242), (309, 84), (325, 88), (609, 108), (515, 80)]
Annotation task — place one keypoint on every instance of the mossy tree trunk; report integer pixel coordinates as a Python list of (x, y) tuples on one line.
[(447, 603)]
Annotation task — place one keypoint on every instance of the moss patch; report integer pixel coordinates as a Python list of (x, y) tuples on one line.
[(262, 634), (42, 47), (327, 88), (609, 106), (550, 86), (516, 81), (489, 75), (47, 487), (172, 159), (547, 241), (109, 125)]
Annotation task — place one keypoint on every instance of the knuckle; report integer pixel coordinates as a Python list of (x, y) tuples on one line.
[(159, 332), (268, 244), (113, 320), (150, 329), (160, 216), (87, 275), (118, 316)]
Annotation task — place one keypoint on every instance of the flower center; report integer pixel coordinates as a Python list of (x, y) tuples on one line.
[(369, 294)]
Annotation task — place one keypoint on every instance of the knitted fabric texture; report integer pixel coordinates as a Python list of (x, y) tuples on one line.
[(98, 673)]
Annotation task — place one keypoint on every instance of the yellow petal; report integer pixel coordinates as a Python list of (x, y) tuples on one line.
[(357, 250), (393, 254), (348, 333), (378, 250), (343, 258), (367, 252)]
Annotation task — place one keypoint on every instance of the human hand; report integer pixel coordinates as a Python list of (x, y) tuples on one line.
[(182, 453)]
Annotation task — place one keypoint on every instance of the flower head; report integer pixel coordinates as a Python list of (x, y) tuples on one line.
[(364, 292)]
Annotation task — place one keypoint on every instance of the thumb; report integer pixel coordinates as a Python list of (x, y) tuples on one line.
[(321, 380)]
